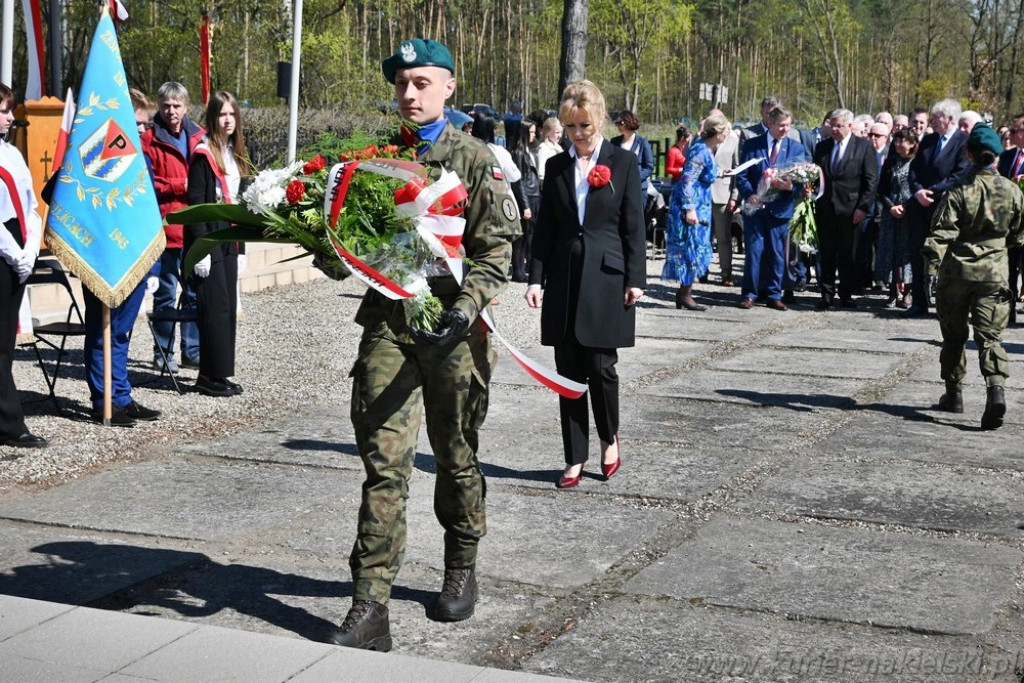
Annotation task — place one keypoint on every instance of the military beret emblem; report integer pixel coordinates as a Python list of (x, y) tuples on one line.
[(408, 52)]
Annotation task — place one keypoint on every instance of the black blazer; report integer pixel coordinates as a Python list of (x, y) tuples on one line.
[(1005, 164), (937, 171), (614, 251), (852, 186)]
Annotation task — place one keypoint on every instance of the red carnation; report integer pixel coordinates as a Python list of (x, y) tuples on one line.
[(391, 151), (600, 176), (295, 191), (317, 164)]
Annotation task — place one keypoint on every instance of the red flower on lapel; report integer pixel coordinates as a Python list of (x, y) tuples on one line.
[(599, 176)]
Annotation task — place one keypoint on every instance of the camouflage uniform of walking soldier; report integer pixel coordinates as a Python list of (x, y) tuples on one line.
[(401, 372), (967, 248)]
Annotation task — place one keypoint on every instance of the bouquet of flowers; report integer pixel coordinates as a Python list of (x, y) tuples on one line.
[(378, 216), (798, 173), (803, 230)]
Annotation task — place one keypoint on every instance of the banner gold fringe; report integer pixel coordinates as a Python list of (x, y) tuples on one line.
[(111, 296)]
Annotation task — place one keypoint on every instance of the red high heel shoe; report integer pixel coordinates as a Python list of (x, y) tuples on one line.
[(611, 468), (565, 482)]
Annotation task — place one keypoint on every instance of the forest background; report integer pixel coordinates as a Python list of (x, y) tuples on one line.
[(647, 55)]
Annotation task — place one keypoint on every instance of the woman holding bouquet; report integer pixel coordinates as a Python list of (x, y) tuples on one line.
[(215, 175), (688, 240), (589, 270)]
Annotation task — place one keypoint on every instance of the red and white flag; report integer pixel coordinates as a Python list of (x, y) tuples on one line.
[(204, 58), (117, 11), (65, 129), (35, 83)]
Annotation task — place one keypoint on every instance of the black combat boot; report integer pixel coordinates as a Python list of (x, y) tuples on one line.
[(366, 627), (458, 594), (995, 408), (952, 401)]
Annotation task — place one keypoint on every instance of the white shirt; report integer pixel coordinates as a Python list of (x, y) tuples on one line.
[(509, 170), (546, 150), (582, 186), (839, 151), (11, 159), (231, 172)]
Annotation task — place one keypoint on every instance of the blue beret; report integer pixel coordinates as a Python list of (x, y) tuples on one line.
[(982, 137), (418, 52)]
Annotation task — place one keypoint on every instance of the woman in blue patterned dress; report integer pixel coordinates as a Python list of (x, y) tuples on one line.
[(688, 250)]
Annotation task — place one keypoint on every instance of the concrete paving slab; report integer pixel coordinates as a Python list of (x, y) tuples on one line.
[(384, 667), (722, 322), (893, 429), (19, 614), (94, 639), (751, 388), (893, 580), (819, 363), (670, 641), (308, 598), (209, 653), (17, 668), (183, 500), (52, 564), (906, 493), (707, 425), (526, 534), (850, 339)]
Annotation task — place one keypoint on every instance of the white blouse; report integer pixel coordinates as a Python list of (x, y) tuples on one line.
[(11, 159)]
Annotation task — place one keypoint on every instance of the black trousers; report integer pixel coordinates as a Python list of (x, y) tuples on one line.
[(12, 418), (217, 310), (590, 365), (836, 242)]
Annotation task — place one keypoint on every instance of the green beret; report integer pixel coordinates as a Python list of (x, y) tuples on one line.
[(418, 52), (982, 137)]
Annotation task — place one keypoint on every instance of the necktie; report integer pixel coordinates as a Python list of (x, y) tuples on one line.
[(1017, 163), (837, 156), (774, 154)]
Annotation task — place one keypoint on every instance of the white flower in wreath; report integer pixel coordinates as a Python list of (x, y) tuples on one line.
[(269, 189)]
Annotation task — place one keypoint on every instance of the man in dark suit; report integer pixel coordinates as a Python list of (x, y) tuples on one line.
[(850, 178), (940, 163), (1011, 165), (766, 229)]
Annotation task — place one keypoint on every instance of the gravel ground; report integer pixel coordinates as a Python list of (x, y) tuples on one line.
[(295, 347)]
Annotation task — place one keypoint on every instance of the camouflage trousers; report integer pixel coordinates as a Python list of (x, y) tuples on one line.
[(394, 380), (986, 305)]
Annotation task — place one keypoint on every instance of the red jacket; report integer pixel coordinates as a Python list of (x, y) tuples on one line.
[(170, 172)]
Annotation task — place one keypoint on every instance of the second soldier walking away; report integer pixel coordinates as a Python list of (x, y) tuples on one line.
[(401, 373), (967, 248)]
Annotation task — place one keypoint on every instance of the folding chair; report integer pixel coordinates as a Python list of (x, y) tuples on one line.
[(48, 270), (175, 316)]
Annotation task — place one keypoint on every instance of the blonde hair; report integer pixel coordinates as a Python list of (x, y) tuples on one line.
[(586, 96), (714, 125)]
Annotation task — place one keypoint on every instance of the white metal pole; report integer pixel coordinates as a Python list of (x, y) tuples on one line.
[(7, 43), (293, 101)]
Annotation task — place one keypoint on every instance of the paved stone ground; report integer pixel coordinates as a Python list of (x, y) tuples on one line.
[(789, 509)]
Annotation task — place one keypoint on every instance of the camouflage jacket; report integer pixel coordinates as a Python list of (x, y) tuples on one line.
[(973, 226), (492, 223)]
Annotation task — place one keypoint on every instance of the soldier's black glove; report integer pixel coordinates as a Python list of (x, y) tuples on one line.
[(331, 267), (453, 324)]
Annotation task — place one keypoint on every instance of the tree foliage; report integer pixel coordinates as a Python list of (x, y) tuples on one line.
[(648, 55)]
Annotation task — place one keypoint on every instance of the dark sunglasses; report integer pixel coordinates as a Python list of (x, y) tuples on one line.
[(877, 135)]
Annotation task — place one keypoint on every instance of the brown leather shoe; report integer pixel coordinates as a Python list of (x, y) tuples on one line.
[(777, 305), (366, 627), (746, 303), (728, 282)]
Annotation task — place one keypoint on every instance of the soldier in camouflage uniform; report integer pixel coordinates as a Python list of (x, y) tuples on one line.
[(400, 371), (972, 228)]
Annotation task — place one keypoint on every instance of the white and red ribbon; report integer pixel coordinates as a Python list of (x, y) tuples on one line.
[(65, 130), (434, 209)]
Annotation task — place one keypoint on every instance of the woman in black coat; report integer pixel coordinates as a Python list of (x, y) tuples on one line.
[(216, 174), (588, 271)]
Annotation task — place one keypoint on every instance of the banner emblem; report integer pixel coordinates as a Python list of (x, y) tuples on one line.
[(107, 153)]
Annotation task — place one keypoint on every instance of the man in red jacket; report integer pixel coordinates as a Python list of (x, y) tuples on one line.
[(168, 146)]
